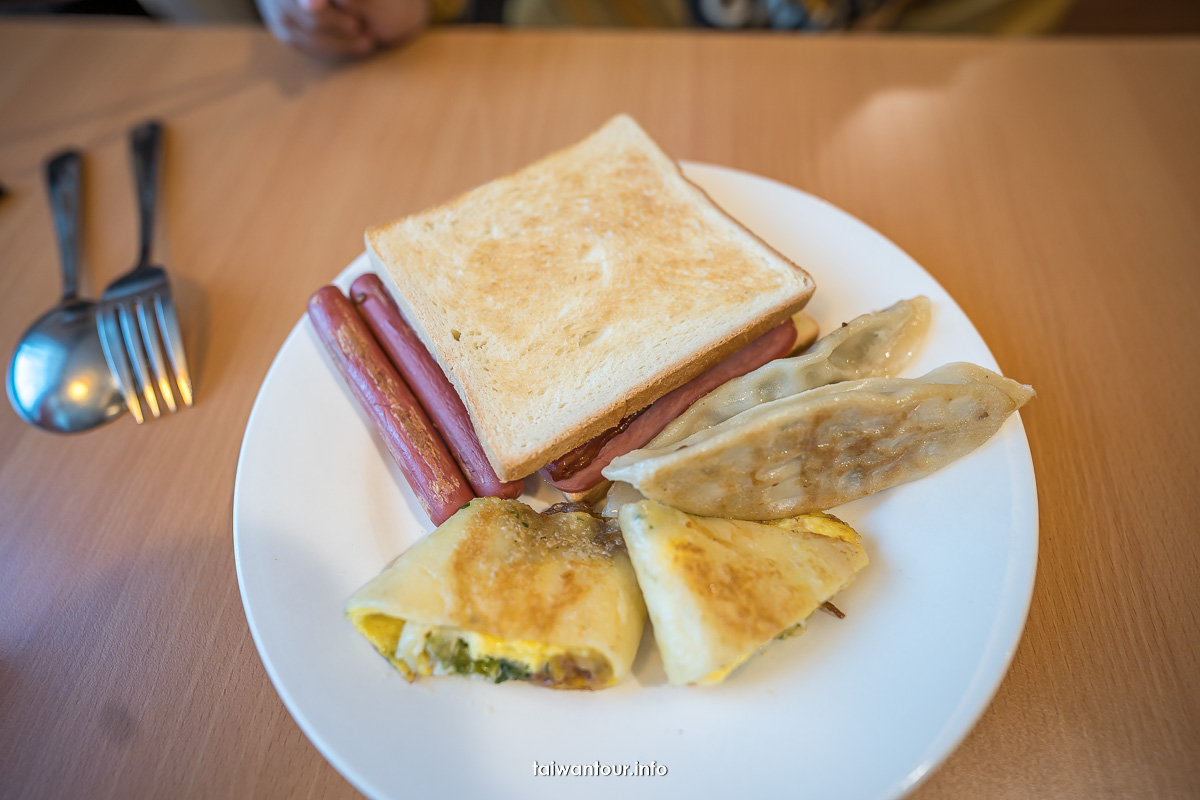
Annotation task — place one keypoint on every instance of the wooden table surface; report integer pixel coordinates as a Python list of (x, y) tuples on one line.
[(1052, 187)]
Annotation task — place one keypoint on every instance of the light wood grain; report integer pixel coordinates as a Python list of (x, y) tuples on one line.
[(1053, 189)]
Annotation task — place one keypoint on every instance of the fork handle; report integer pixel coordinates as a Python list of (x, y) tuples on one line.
[(63, 180), (146, 143)]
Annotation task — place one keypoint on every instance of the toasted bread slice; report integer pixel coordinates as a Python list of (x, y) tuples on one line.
[(563, 297)]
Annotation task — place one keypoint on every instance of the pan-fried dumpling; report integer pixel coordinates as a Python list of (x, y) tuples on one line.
[(826, 446), (878, 344), (719, 590)]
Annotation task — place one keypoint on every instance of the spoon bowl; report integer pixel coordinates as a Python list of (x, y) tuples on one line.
[(58, 378)]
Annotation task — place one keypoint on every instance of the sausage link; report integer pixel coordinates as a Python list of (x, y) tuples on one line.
[(429, 383), (408, 433)]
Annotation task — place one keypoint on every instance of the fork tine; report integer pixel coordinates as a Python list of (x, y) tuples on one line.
[(141, 370), (118, 360), (168, 323), (150, 338)]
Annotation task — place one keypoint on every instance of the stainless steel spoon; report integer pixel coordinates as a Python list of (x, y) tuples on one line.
[(58, 379)]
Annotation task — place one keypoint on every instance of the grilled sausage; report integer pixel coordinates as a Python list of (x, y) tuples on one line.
[(408, 433), (429, 383)]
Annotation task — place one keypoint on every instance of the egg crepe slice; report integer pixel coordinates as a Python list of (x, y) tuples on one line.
[(719, 590), (504, 592)]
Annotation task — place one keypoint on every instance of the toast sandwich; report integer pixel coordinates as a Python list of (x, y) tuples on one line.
[(566, 296)]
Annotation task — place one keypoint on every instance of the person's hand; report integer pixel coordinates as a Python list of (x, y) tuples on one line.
[(318, 27)]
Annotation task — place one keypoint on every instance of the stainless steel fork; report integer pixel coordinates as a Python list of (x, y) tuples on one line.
[(139, 328)]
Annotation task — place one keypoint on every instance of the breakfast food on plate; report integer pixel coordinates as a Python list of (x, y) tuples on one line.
[(429, 384), (563, 298), (410, 437), (575, 471), (719, 590), (579, 469), (503, 592), (875, 345), (827, 446), (595, 316), (506, 593)]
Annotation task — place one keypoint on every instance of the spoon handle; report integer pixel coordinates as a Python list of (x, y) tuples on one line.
[(146, 142), (63, 178)]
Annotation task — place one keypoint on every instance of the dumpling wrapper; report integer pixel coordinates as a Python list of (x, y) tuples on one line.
[(827, 446), (555, 592), (877, 344), (718, 590), (874, 345)]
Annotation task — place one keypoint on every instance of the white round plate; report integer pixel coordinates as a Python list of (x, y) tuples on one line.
[(862, 707)]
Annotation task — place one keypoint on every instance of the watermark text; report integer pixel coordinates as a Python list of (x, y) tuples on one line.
[(635, 770)]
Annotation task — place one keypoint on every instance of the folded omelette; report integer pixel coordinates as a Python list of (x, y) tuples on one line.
[(719, 590), (503, 592)]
